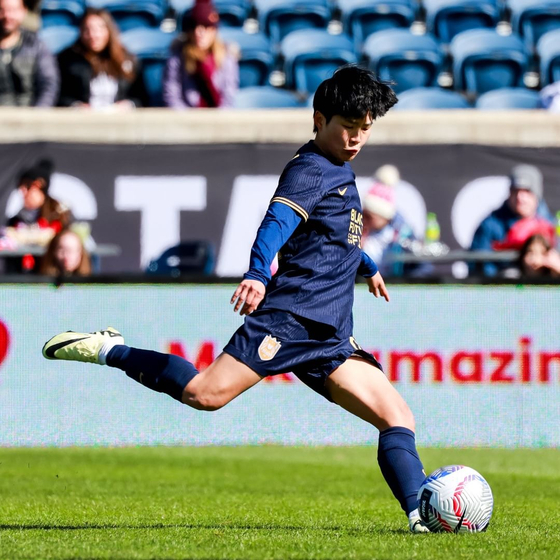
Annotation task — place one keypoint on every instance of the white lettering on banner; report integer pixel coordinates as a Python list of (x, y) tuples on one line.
[(473, 203), (250, 198), (69, 190), (160, 201), (249, 201)]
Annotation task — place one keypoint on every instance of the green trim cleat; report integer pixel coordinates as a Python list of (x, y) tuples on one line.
[(82, 347)]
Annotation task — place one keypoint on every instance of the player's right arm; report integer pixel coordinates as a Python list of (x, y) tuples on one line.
[(276, 228)]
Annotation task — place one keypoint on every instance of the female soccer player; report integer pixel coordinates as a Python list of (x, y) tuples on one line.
[(301, 319)]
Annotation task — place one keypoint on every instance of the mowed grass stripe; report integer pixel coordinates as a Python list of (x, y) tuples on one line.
[(257, 502)]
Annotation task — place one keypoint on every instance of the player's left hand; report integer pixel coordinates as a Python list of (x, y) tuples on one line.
[(247, 296), (377, 286)]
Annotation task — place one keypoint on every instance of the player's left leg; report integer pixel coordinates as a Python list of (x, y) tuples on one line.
[(365, 391)]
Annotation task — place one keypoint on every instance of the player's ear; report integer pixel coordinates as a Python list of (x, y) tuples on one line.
[(319, 120)]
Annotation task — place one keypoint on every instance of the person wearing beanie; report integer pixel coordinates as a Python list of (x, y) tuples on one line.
[(385, 230), (524, 204), (202, 71)]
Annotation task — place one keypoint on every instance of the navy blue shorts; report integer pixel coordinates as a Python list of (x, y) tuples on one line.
[(271, 342)]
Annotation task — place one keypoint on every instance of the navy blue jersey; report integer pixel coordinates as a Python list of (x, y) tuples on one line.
[(318, 263)]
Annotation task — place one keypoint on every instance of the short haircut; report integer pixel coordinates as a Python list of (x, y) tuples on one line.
[(353, 92)]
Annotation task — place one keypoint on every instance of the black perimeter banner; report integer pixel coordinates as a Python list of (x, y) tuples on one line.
[(438, 172)]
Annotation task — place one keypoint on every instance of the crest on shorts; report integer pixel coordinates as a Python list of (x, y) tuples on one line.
[(269, 348)]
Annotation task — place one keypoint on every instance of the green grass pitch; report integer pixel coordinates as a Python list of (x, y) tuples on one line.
[(258, 502)]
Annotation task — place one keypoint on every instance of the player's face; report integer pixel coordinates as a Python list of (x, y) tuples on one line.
[(12, 14), (523, 202), (342, 138)]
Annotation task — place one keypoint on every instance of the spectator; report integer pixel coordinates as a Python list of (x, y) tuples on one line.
[(385, 232), (201, 71), (97, 71), (525, 202), (66, 256), (538, 258), (39, 208), (28, 72)]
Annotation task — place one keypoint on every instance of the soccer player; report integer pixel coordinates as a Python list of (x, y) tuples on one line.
[(300, 320)]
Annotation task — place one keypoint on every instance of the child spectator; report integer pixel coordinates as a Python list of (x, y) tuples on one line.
[(538, 258), (66, 256), (97, 71), (201, 71)]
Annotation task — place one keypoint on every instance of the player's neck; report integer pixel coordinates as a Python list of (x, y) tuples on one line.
[(325, 151)]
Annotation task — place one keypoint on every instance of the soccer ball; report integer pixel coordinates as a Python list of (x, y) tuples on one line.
[(455, 499)]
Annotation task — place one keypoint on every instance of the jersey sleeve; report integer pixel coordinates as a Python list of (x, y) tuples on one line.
[(301, 186), (367, 267)]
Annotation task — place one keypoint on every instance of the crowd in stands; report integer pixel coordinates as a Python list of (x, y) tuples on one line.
[(489, 54)]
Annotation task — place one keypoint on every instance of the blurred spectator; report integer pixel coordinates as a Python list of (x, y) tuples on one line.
[(202, 71), (385, 232), (550, 97), (66, 256), (97, 71), (538, 258), (28, 71), (525, 202)]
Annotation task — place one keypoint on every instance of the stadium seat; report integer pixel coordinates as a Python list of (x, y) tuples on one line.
[(508, 98), (431, 98), (151, 46), (361, 18), (447, 18), (408, 60), (548, 49), (266, 97), (483, 60), (233, 13), (56, 13), (57, 38), (312, 55), (278, 18), (188, 257), (256, 59), (132, 14), (533, 18)]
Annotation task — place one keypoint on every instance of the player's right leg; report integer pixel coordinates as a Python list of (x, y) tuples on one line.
[(221, 382)]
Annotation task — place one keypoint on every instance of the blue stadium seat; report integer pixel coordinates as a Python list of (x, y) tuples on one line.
[(131, 14), (57, 38), (447, 18), (233, 13), (483, 60), (508, 98), (548, 49), (151, 46), (312, 55), (278, 18), (361, 18), (257, 61), (188, 257), (55, 13), (431, 98), (533, 18), (409, 60), (266, 97)]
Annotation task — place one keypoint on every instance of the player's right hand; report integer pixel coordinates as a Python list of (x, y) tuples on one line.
[(247, 296)]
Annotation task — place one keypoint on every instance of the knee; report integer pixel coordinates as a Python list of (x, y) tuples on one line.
[(201, 400), (406, 418)]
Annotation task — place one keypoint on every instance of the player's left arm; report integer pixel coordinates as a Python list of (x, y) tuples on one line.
[(368, 269), (276, 228)]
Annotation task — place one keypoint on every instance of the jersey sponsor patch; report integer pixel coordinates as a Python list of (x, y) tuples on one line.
[(269, 348)]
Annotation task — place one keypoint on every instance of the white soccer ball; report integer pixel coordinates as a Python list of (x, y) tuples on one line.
[(455, 499)]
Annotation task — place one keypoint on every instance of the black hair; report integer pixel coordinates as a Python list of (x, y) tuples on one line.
[(353, 92), (43, 169)]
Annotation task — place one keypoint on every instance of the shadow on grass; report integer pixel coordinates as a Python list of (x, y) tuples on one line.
[(211, 526)]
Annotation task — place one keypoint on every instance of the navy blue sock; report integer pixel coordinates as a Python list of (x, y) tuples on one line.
[(401, 465), (164, 373)]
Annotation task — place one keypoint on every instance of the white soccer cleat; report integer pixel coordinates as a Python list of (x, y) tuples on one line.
[(82, 347), (415, 523)]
